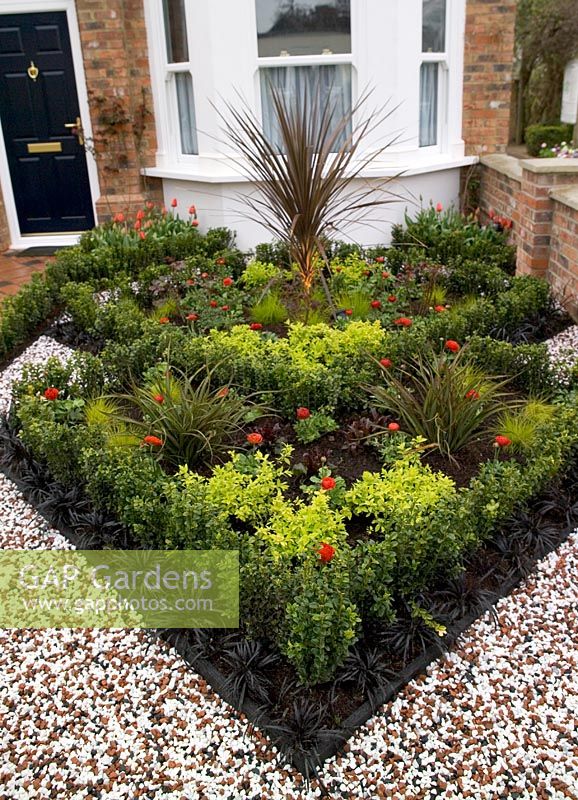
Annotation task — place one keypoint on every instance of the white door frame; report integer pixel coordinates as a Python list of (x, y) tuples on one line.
[(17, 239)]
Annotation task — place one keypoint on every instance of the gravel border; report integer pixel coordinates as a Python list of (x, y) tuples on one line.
[(112, 714)]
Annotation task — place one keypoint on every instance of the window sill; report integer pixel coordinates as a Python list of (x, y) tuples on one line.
[(218, 170)]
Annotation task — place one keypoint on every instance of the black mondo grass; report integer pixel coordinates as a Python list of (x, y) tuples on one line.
[(366, 670), (248, 664)]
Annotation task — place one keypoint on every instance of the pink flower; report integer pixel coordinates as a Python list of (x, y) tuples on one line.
[(174, 202), (140, 214), (142, 235), (439, 208), (380, 259), (118, 217), (192, 210), (194, 223)]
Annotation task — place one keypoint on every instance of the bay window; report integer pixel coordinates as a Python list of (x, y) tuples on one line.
[(304, 54)]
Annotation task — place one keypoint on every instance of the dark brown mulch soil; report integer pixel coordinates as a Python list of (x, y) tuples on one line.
[(465, 464)]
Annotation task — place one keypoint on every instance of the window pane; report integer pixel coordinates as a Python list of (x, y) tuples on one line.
[(433, 38), (176, 31), (330, 84), (307, 27), (186, 105), (428, 105)]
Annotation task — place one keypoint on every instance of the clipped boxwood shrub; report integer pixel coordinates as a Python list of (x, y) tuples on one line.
[(537, 135)]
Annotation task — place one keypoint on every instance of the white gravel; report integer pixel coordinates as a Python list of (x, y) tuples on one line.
[(112, 715), (563, 352)]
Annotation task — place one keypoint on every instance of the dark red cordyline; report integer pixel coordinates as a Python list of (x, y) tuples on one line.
[(326, 552)]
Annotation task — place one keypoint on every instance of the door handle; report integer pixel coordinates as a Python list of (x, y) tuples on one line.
[(76, 129)]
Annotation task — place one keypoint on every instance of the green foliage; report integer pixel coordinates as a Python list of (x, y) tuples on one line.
[(80, 303), (442, 398), (269, 310), (527, 365), (314, 427), (550, 135), (522, 426), (80, 375), (300, 528), (408, 506), (258, 274), (131, 485), (193, 521), (321, 620), (194, 423), (357, 302), (22, 313)]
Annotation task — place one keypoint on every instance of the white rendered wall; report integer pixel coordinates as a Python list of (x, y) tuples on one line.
[(218, 205)]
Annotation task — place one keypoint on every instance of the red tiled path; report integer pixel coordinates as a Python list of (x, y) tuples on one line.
[(16, 270)]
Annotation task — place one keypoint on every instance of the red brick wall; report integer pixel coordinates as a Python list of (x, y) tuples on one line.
[(488, 62), (563, 261), (114, 44), (499, 193)]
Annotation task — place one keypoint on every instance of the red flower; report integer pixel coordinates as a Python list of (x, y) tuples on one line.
[(192, 317), (393, 426), (213, 304), (473, 395), (392, 299), (386, 362), (140, 214), (385, 274), (439, 309), (137, 225), (503, 441), (118, 217), (507, 223), (403, 321), (192, 210), (491, 213), (380, 259), (142, 235), (51, 393), (163, 320), (150, 205), (328, 483), (204, 274), (190, 282), (367, 273), (153, 440), (228, 281), (158, 398), (348, 311), (174, 202), (254, 438), (223, 392), (303, 413), (439, 208), (376, 303), (255, 326), (220, 261), (452, 346), (326, 552), (225, 308), (194, 223)]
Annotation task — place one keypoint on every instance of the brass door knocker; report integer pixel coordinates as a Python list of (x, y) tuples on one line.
[(32, 71)]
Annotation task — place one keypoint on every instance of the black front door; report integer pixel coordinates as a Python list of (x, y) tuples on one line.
[(38, 109)]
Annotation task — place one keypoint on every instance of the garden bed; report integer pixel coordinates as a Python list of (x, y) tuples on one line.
[(351, 525)]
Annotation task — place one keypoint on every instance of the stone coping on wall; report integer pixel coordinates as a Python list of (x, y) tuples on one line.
[(568, 195), (507, 165)]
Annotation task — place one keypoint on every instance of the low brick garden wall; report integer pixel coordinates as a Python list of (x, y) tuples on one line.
[(540, 196)]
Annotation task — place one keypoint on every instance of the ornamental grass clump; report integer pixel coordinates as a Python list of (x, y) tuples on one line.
[(442, 398), (191, 422)]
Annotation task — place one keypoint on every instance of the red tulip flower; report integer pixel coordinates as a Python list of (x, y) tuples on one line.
[(439, 208), (174, 202)]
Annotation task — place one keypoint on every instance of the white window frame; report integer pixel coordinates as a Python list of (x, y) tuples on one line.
[(441, 58), (329, 60)]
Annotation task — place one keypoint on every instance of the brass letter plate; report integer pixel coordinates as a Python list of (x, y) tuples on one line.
[(45, 147)]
